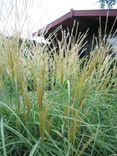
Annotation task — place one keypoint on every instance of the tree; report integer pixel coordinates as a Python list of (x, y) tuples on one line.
[(108, 3)]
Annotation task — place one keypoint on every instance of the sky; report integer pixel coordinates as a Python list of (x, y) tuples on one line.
[(28, 16)]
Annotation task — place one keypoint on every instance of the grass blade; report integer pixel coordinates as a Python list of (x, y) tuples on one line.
[(3, 137), (34, 148)]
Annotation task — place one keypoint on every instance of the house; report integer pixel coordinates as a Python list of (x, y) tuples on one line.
[(89, 20), (86, 18)]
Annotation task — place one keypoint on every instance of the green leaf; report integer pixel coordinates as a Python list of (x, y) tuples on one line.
[(33, 150), (3, 137)]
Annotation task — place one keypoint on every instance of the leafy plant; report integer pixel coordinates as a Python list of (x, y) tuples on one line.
[(76, 115)]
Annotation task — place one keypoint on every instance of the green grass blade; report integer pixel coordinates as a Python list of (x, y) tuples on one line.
[(33, 150), (7, 107), (18, 134), (3, 137)]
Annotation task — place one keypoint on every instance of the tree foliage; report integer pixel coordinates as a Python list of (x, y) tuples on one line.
[(108, 3)]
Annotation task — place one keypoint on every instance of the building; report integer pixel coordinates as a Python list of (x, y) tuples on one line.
[(89, 20)]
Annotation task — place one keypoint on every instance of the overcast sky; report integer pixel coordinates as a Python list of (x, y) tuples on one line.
[(30, 15)]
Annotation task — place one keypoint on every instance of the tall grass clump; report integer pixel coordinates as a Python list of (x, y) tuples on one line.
[(55, 101)]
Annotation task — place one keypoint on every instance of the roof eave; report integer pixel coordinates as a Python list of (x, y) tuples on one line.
[(74, 13)]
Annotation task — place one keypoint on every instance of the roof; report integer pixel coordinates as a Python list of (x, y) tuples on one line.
[(86, 19)]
